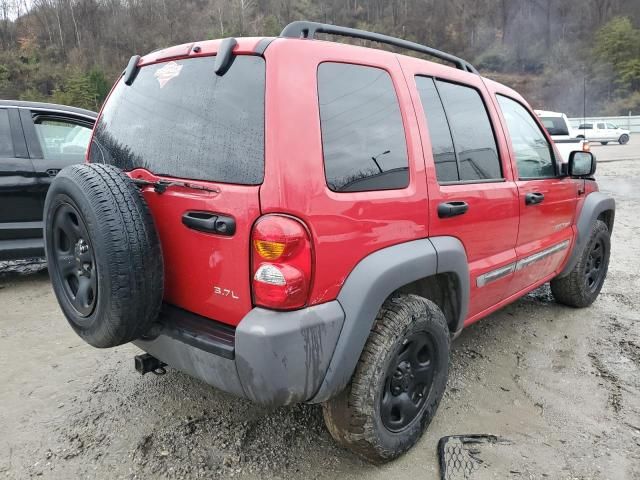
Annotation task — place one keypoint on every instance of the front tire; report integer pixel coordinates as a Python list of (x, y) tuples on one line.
[(398, 383), (603, 143), (624, 138), (583, 284)]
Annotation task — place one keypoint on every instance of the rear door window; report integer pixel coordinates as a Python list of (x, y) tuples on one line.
[(460, 132), (472, 133), (444, 153), (180, 119), (363, 137)]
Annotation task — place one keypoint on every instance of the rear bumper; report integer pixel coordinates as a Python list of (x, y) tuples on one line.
[(272, 358)]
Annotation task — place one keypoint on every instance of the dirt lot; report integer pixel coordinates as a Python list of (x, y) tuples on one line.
[(562, 385)]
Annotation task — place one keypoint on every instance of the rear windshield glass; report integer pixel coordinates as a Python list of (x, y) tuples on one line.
[(180, 119), (555, 125)]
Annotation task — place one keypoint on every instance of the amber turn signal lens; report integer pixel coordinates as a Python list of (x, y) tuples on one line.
[(269, 250)]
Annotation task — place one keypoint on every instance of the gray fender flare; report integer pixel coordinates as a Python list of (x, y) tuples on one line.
[(372, 281), (594, 205)]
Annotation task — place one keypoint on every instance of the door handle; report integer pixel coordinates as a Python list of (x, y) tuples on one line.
[(209, 223), (533, 198), (452, 209)]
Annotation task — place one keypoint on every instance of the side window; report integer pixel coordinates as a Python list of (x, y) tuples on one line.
[(464, 147), (363, 137), (62, 139), (532, 150), (6, 143), (444, 154), (601, 126), (611, 126)]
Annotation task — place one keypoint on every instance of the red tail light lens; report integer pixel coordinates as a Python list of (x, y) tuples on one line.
[(281, 263)]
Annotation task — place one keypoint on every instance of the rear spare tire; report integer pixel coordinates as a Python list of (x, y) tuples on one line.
[(103, 254)]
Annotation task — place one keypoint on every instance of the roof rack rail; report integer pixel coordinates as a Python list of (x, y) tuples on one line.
[(304, 29)]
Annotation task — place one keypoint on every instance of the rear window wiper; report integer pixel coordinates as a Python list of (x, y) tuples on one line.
[(160, 186)]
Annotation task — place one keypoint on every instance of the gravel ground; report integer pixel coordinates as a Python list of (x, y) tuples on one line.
[(561, 385)]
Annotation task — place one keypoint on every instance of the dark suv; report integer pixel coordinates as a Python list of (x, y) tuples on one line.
[(37, 140), (293, 220)]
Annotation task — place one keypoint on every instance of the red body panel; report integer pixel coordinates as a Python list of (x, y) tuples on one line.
[(205, 273), (345, 227)]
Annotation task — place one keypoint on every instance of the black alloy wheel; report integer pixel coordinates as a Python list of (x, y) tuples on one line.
[(74, 259), (594, 272), (408, 382)]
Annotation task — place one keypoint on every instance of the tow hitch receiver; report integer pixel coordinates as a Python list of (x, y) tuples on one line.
[(148, 363)]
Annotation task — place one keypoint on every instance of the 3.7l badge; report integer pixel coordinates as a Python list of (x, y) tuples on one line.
[(225, 292)]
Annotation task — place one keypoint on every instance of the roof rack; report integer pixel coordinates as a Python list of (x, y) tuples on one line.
[(304, 29)]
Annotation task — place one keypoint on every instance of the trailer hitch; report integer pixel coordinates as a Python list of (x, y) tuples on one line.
[(148, 363)]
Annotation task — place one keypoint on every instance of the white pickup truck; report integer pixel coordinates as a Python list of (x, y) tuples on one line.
[(565, 138), (603, 132)]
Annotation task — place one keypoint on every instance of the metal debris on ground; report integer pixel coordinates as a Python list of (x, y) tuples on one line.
[(459, 455), (22, 267)]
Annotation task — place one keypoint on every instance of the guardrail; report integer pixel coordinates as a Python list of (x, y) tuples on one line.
[(629, 122)]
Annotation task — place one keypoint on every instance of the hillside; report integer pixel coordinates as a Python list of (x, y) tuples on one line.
[(71, 51)]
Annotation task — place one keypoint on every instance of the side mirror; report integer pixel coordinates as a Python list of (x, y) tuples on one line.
[(582, 164)]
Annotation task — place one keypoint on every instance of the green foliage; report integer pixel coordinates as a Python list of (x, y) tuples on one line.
[(81, 90), (272, 27), (618, 45), (494, 59), (617, 42)]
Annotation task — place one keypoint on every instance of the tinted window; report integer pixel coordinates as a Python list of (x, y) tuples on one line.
[(180, 119), (62, 139), (363, 138), (531, 149), (585, 126), (472, 134), (444, 154), (601, 125), (555, 125), (6, 144)]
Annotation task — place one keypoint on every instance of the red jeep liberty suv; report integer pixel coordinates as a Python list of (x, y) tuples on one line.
[(295, 220)]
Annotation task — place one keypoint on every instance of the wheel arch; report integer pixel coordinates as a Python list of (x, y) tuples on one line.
[(436, 268), (597, 206)]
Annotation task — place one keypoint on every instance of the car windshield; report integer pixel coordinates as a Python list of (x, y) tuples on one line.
[(555, 125), (180, 119)]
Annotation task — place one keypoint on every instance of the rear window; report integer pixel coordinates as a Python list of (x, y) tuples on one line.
[(180, 119), (555, 125)]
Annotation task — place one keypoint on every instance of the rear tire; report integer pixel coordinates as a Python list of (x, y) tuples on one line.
[(624, 138), (603, 143), (103, 254), (392, 398), (583, 284)]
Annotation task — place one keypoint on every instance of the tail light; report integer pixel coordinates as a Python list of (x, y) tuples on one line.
[(585, 146), (281, 263)]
